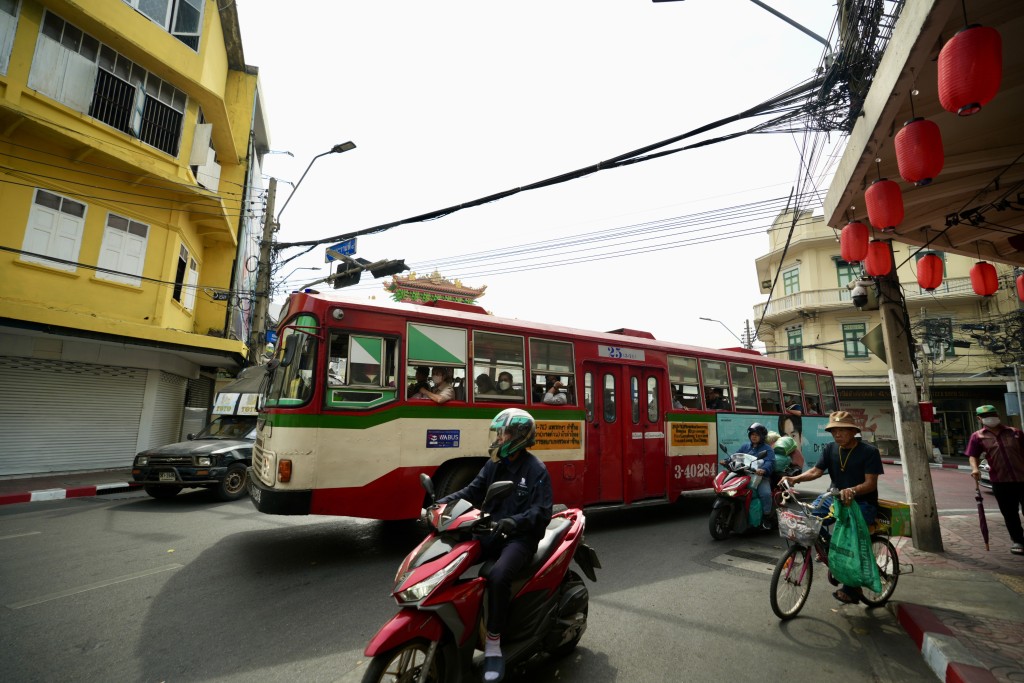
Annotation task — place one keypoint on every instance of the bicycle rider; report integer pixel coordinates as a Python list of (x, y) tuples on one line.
[(854, 467)]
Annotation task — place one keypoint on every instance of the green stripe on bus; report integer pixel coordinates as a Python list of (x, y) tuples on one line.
[(424, 348), (689, 418), (370, 346), (360, 421)]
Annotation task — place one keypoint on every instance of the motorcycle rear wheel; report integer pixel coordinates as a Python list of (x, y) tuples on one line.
[(720, 524), (572, 579), (404, 663)]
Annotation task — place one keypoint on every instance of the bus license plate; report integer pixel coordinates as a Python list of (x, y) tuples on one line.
[(167, 476), (254, 492)]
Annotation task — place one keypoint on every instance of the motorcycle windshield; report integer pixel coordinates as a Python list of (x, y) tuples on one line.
[(431, 551)]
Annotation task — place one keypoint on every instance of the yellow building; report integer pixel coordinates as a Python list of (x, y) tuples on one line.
[(130, 139), (811, 317)]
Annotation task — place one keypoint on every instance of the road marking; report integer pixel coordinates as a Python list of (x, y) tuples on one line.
[(751, 558), (92, 586), (27, 533)]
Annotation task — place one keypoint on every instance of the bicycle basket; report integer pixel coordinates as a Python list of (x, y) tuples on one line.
[(798, 528)]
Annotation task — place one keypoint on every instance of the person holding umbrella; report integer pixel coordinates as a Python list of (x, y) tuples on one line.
[(1003, 447)]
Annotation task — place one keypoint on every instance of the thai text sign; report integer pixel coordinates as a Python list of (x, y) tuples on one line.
[(554, 436), (691, 434)]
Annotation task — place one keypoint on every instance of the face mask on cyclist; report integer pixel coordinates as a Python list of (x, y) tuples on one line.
[(990, 421)]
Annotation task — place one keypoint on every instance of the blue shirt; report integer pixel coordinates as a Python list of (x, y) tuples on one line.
[(760, 451), (529, 506)]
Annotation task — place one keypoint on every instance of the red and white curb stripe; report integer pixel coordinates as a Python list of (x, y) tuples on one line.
[(942, 651), (60, 494)]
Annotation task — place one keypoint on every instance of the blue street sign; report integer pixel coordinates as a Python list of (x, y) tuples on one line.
[(348, 247), (271, 336)]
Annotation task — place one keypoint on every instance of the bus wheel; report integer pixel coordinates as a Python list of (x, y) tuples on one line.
[(456, 478)]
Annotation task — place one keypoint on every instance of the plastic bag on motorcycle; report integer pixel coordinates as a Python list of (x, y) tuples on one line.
[(850, 558)]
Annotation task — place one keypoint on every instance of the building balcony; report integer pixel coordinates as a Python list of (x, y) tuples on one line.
[(839, 298)]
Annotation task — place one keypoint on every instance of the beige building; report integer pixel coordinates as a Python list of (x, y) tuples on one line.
[(810, 316)]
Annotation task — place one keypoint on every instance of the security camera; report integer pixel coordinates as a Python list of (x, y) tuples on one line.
[(859, 291)]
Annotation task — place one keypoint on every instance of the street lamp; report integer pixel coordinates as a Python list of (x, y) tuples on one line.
[(337, 149), (713, 320)]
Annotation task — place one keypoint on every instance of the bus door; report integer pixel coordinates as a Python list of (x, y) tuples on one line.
[(604, 461), (646, 438)]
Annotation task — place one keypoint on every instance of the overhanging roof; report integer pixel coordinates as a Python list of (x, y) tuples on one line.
[(981, 186)]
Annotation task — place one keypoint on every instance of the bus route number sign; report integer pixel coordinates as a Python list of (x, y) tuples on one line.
[(620, 353)]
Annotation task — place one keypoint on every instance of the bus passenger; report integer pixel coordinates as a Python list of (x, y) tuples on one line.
[(714, 399), (443, 390), (505, 384), (484, 385), (422, 381), (553, 396), (521, 519)]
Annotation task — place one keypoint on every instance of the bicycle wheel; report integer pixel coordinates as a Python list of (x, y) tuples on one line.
[(791, 581), (888, 571)]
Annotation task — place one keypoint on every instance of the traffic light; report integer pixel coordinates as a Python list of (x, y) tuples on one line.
[(347, 275), (389, 268)]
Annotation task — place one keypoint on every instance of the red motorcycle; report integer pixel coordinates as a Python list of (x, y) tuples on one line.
[(440, 589), (735, 488)]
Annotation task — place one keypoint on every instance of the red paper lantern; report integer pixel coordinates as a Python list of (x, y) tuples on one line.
[(1020, 286), (929, 272), (885, 204), (919, 151), (879, 260), (853, 242), (970, 69), (984, 279)]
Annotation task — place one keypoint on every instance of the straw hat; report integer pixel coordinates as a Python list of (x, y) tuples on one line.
[(841, 418)]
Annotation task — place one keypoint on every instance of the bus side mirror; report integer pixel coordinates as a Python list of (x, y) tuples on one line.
[(289, 350)]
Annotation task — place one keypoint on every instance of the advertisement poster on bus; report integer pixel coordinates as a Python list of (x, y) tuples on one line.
[(808, 431)]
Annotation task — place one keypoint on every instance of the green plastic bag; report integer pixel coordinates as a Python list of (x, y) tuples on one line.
[(754, 512), (850, 557)]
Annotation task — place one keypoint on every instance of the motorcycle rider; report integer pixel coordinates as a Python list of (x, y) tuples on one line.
[(757, 447), (522, 519)]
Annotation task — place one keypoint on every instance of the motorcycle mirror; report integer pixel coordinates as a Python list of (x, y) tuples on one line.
[(427, 485), (498, 489), (723, 449)]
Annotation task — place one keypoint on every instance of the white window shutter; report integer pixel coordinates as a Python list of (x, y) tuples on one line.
[(201, 144), (79, 83), (188, 297), (208, 175)]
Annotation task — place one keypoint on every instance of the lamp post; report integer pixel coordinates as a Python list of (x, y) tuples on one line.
[(744, 344), (270, 224)]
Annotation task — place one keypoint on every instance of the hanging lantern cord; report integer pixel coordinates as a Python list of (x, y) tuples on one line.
[(963, 5)]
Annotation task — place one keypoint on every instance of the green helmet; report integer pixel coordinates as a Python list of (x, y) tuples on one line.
[(785, 446), (520, 428)]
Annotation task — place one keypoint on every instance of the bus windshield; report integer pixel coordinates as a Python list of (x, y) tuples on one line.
[(293, 383)]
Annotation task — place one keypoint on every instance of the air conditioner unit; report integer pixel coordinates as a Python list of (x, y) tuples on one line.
[(765, 284)]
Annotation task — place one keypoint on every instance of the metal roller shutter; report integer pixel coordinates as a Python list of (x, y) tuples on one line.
[(57, 416), (165, 424)]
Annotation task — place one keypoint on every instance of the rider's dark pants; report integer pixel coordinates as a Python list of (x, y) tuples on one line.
[(511, 557)]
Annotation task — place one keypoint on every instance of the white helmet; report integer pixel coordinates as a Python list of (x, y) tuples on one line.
[(520, 427)]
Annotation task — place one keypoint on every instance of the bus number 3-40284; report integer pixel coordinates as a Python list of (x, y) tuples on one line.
[(695, 470)]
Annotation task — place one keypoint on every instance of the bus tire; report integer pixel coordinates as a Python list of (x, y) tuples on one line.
[(456, 478)]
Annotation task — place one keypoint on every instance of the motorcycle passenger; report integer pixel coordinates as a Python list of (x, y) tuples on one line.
[(522, 518), (756, 446)]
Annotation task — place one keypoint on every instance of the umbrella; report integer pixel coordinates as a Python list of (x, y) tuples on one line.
[(981, 514)]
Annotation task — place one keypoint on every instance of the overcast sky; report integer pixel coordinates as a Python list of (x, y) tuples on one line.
[(453, 100)]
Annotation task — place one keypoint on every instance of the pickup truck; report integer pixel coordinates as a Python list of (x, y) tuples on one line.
[(216, 458)]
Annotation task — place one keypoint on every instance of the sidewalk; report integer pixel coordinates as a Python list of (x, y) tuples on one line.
[(963, 607)]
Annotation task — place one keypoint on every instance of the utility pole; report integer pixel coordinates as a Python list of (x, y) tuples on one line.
[(917, 477), (748, 336), (259, 318)]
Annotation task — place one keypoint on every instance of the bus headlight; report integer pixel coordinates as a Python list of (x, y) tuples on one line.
[(425, 587)]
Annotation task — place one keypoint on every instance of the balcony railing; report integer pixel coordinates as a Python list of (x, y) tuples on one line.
[(820, 299)]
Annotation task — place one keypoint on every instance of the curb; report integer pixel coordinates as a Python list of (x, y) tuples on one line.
[(942, 651), (73, 492), (933, 465)]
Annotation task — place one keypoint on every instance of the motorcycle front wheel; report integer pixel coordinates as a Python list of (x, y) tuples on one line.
[(404, 664), (721, 522)]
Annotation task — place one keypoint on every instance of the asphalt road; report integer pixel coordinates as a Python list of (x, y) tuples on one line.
[(126, 588)]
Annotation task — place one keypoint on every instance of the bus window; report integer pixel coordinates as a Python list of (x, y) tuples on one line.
[(828, 395), (652, 399), (682, 376), (588, 395), (360, 370), (438, 347), (551, 362), (609, 398), (768, 390), (744, 393), (634, 397), (498, 367), (716, 385), (812, 402), (293, 384), (792, 397), (337, 360)]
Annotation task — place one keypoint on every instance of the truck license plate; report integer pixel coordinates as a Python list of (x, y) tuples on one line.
[(167, 476)]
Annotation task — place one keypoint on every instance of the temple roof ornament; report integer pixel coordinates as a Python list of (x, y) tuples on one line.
[(434, 287)]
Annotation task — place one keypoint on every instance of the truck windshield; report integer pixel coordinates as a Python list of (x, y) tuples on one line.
[(230, 427)]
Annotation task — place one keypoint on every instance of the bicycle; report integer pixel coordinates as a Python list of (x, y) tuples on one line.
[(794, 572)]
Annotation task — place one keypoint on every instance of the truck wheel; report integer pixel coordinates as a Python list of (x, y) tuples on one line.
[(456, 478), (161, 492), (233, 486)]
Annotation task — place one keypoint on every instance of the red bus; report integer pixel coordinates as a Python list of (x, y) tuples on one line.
[(637, 420)]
